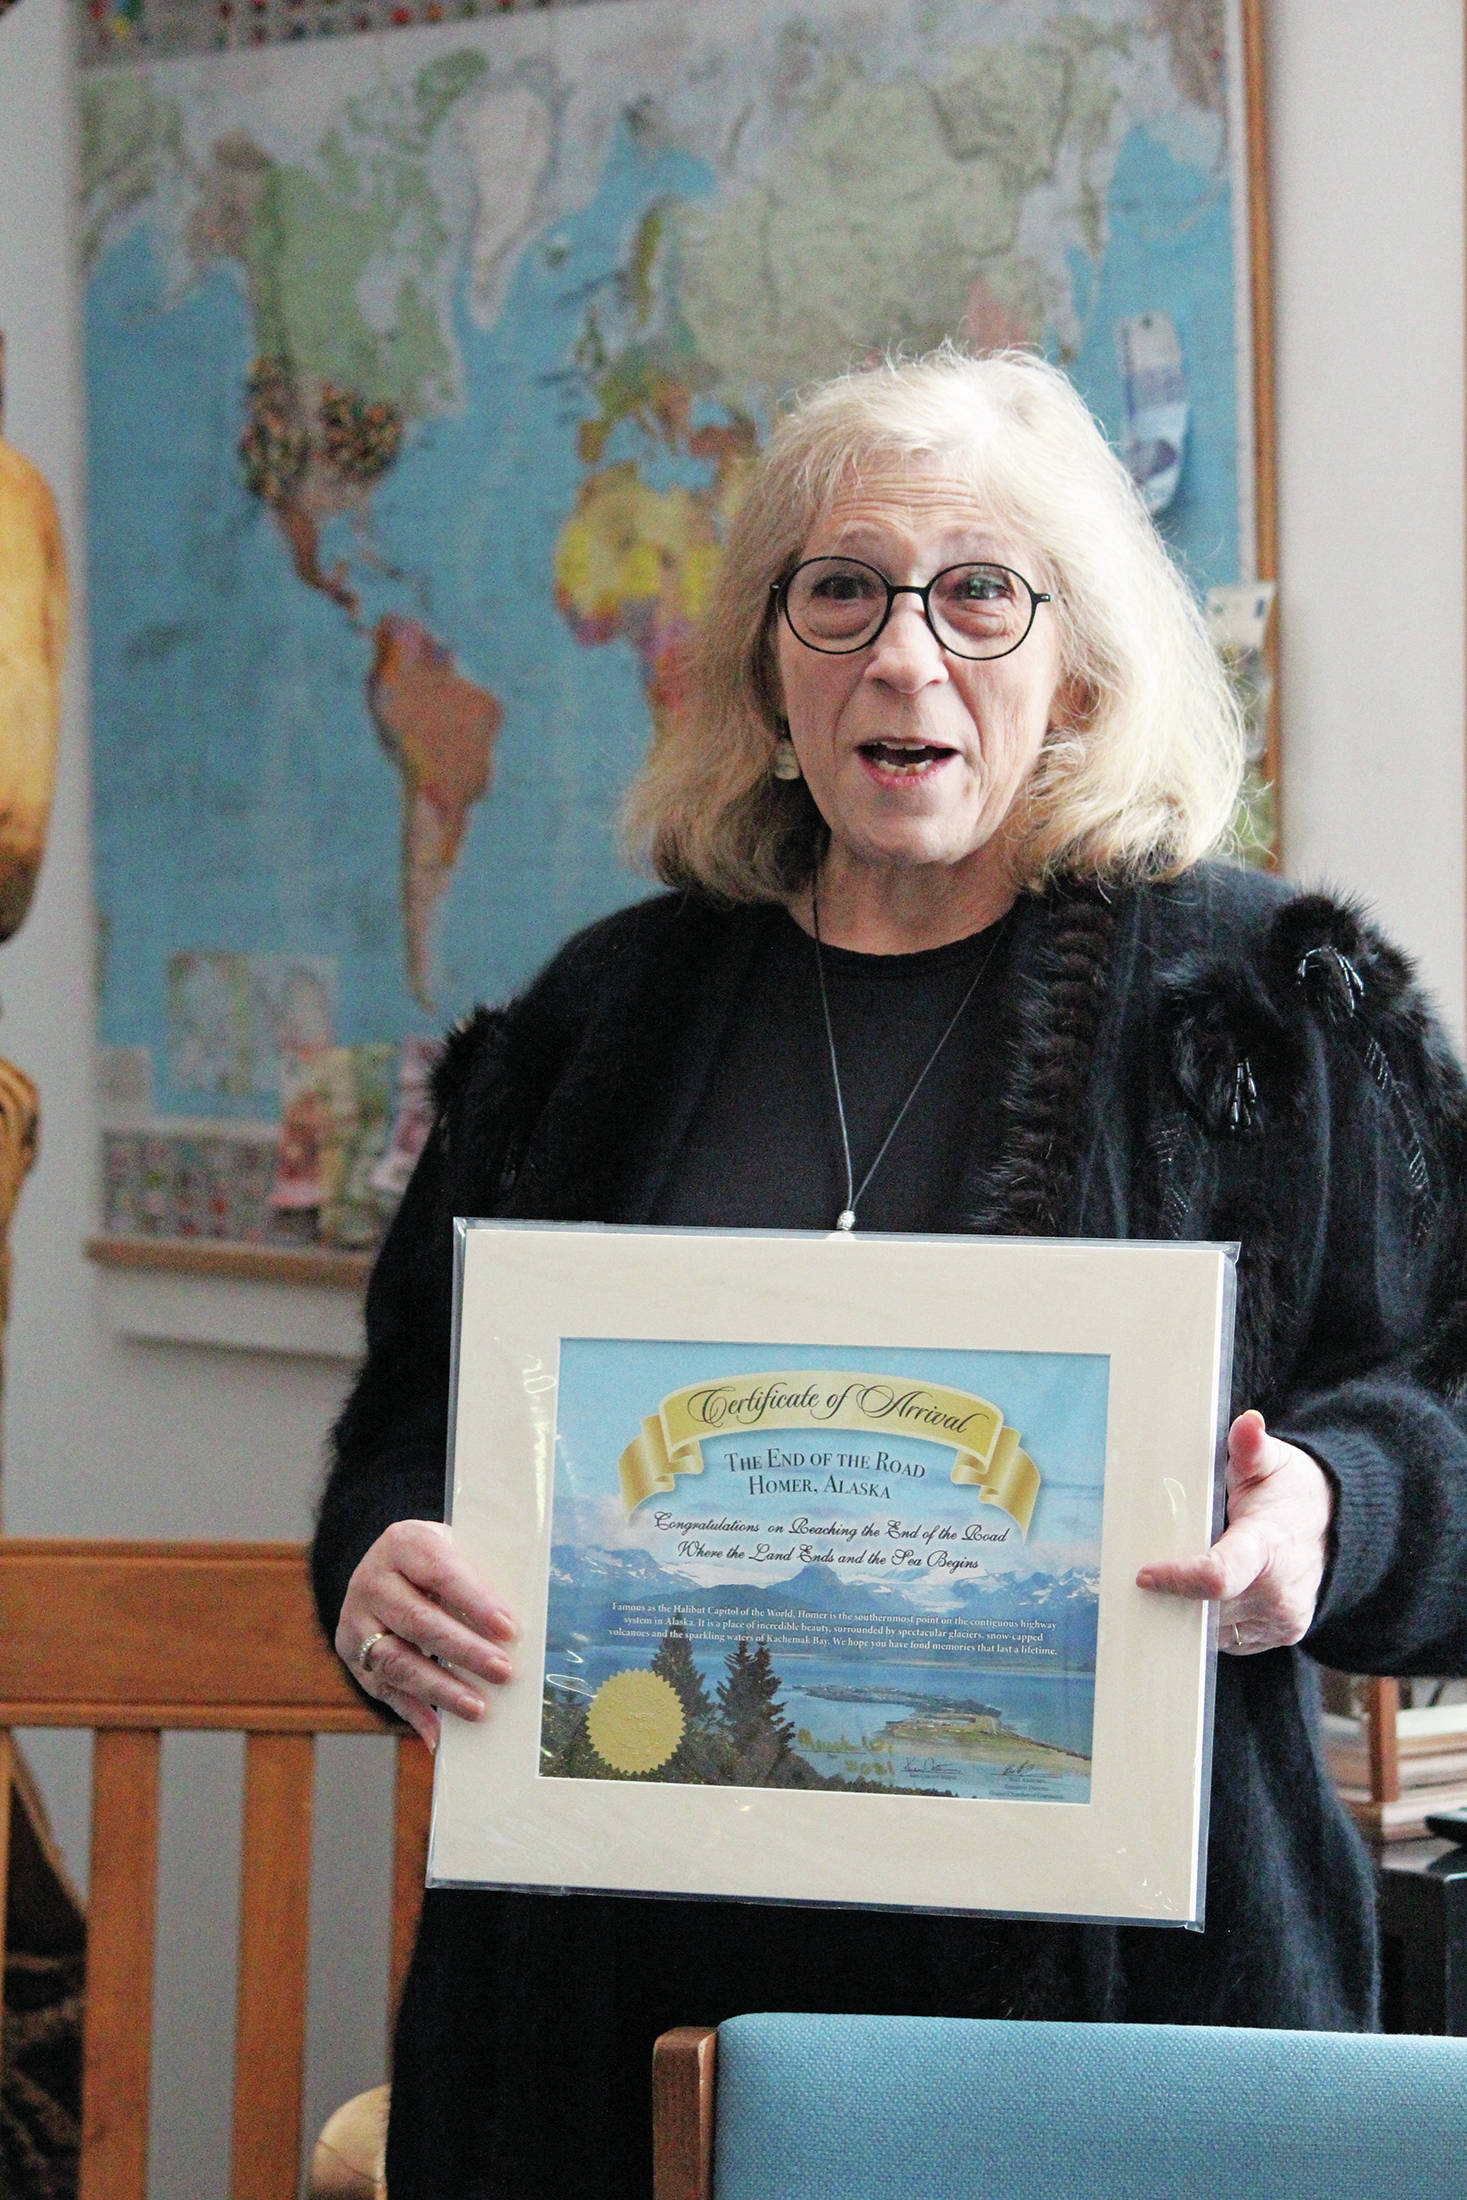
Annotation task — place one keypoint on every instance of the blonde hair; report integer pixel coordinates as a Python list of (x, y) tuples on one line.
[(1141, 779)]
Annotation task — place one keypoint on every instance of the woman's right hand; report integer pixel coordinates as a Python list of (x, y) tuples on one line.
[(423, 1615)]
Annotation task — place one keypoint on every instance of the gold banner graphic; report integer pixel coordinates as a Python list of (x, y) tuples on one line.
[(987, 1454)]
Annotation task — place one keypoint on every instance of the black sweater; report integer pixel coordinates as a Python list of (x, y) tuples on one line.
[(1215, 1058)]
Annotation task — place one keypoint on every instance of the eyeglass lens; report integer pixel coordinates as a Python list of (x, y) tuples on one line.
[(837, 604)]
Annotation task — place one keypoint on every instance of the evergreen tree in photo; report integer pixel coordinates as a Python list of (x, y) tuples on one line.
[(565, 1745), (674, 1662), (699, 1758), (756, 1736)]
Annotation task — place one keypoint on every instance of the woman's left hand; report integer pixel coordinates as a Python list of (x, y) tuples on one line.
[(1266, 1566)]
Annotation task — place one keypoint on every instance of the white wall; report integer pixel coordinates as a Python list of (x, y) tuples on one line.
[(116, 1439), (101, 1438), (1365, 112), (109, 1438)]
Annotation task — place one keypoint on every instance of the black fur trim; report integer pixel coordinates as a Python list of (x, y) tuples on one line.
[(1358, 984), (1233, 1059), (1330, 982), (459, 1058), (1267, 1305), (1388, 1026), (1042, 1111), (1328, 951)]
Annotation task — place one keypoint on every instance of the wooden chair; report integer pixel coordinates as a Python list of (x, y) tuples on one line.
[(802, 2107), (135, 1639)]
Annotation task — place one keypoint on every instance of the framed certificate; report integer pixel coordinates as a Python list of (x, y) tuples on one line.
[(824, 1552)]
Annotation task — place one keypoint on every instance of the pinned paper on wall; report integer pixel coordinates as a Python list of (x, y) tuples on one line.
[(1154, 392)]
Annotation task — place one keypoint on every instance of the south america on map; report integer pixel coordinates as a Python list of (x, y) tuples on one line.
[(425, 371)]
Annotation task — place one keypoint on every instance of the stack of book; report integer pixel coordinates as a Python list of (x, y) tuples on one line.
[(1392, 1764)]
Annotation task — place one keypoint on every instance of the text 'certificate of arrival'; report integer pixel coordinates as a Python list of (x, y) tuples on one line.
[(823, 1552)]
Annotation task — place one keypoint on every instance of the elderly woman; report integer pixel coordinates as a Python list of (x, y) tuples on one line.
[(942, 954)]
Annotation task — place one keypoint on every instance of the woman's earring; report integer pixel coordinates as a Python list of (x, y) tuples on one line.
[(786, 764)]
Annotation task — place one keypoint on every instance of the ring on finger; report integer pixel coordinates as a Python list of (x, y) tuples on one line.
[(1237, 1636), (364, 1651)]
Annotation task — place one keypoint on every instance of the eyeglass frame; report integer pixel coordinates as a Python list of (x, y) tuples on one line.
[(779, 590)]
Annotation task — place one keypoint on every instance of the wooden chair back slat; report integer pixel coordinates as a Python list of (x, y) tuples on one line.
[(1382, 1708), (190, 1718), (132, 1639), (413, 1810), (7, 1753), (274, 1930), (118, 2034), (190, 1626)]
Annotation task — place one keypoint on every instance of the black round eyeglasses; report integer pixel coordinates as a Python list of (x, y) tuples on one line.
[(839, 605)]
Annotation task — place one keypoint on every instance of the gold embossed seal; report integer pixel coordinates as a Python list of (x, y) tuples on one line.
[(635, 1721)]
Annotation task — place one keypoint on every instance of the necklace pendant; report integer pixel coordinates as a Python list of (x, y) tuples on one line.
[(846, 1219)]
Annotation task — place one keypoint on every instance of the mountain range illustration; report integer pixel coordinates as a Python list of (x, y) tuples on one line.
[(1068, 1601)]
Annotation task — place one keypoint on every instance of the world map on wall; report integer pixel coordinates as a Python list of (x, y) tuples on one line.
[(424, 372)]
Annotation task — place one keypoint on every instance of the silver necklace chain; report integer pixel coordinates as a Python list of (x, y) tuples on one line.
[(855, 1193)]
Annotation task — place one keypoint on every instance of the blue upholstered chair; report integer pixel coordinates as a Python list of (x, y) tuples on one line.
[(911, 2108)]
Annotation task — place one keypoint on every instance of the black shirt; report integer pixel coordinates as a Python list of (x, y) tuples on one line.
[(763, 1150)]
